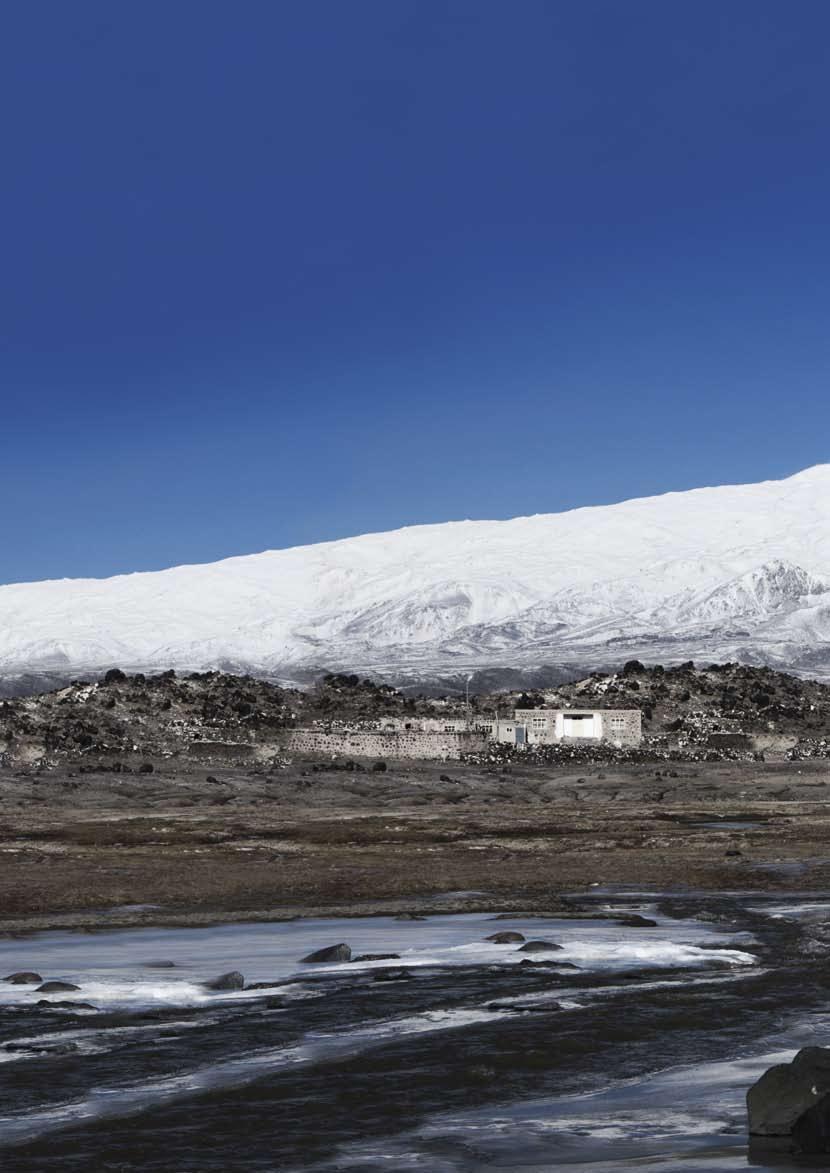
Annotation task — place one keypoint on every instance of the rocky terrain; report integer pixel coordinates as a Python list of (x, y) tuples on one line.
[(720, 708), (144, 799), (123, 722), (188, 845), (124, 718)]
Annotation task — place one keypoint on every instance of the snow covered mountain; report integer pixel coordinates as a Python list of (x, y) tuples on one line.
[(738, 572)]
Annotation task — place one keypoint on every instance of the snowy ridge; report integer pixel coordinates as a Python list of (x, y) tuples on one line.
[(737, 572)]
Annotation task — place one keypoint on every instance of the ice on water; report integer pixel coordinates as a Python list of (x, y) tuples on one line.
[(112, 968)]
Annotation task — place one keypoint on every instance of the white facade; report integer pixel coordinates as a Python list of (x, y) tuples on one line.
[(548, 726)]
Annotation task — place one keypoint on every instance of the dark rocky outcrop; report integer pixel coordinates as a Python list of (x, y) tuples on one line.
[(233, 980), (549, 965), (378, 957), (125, 723), (506, 938), (47, 1004), (789, 1106), (410, 916), (23, 977), (392, 975), (635, 921), (56, 987), (332, 953), (159, 964), (539, 947)]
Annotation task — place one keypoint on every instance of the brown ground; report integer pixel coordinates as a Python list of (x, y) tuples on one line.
[(74, 848)]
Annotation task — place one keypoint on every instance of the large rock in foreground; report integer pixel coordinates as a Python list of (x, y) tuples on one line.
[(789, 1106), (333, 953), (227, 981)]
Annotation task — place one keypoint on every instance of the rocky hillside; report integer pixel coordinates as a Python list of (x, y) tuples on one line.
[(132, 716), (203, 716), (692, 705)]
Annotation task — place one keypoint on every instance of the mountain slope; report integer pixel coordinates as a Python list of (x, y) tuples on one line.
[(738, 572)]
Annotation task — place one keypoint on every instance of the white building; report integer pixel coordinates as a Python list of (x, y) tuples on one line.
[(617, 727)]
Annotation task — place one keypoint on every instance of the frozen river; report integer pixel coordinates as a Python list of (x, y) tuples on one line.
[(623, 1046)]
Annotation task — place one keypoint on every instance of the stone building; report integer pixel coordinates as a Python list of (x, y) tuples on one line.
[(452, 737), (617, 727)]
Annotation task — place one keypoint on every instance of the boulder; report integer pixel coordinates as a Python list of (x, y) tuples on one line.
[(159, 964), (550, 966), (378, 957), (56, 987), (539, 947), (791, 1102), (24, 977), (332, 953), (410, 916), (45, 1004), (506, 938), (233, 980), (635, 921), (392, 975)]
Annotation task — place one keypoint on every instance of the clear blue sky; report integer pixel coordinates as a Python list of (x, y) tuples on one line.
[(278, 272)]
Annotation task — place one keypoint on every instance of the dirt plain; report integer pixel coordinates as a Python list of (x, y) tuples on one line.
[(185, 846)]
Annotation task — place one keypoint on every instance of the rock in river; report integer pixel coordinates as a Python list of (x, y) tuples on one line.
[(635, 921), (539, 947), (24, 977), (378, 957), (789, 1106), (339, 952), (56, 987), (506, 938), (233, 980), (45, 1004)]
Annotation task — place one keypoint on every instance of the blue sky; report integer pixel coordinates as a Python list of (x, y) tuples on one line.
[(279, 272)]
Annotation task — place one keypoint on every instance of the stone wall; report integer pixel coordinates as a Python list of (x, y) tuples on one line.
[(631, 732), (368, 744)]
